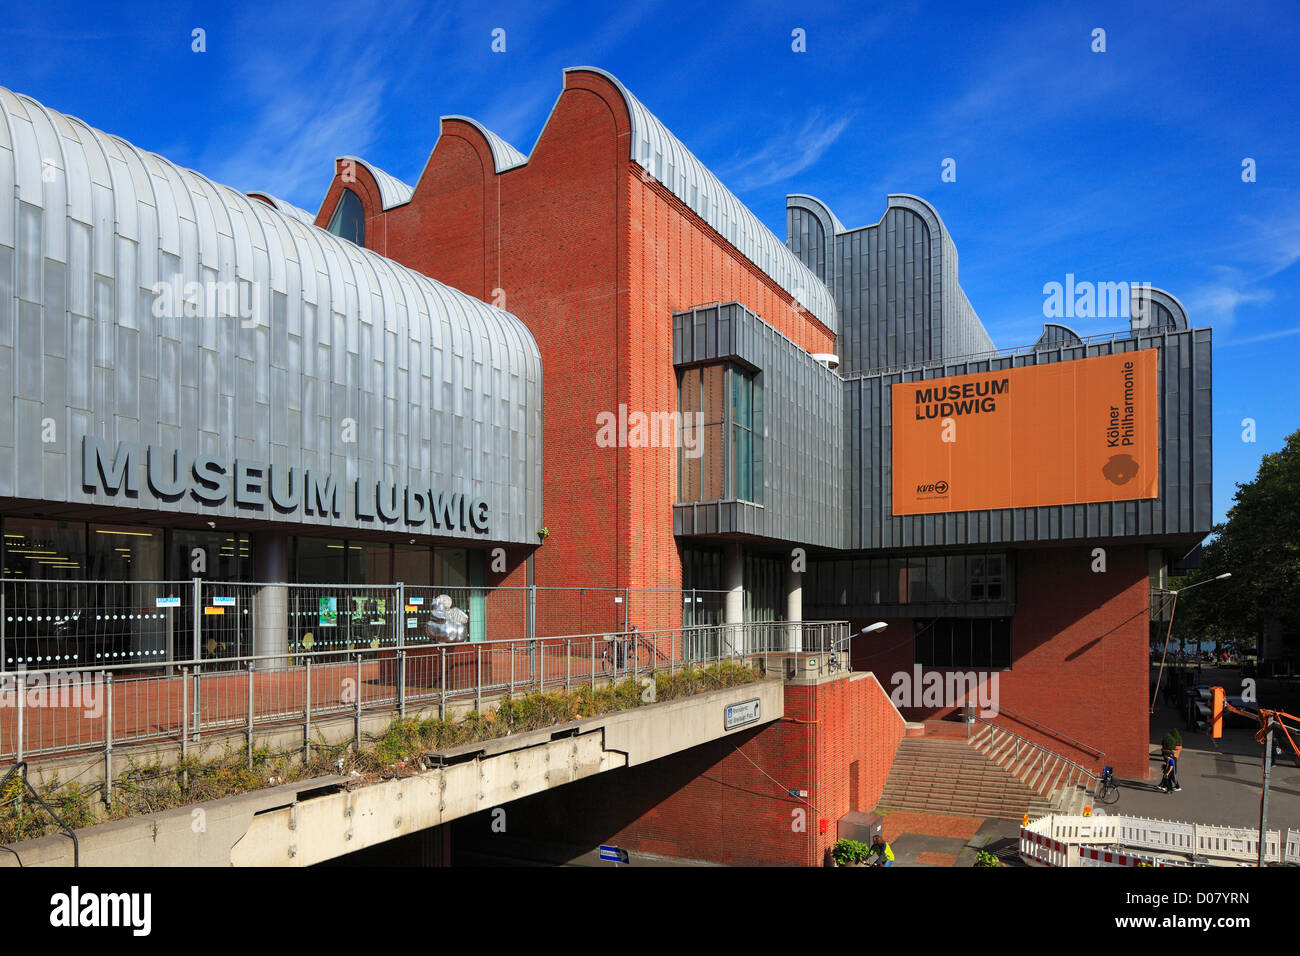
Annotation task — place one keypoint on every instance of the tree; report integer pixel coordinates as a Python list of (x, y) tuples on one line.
[(1260, 545)]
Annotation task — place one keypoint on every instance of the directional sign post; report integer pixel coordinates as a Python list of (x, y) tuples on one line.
[(613, 854)]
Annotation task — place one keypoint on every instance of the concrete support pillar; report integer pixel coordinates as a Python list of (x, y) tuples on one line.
[(733, 576), (794, 608), (271, 601)]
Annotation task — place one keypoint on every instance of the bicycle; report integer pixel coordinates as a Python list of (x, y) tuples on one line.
[(1107, 788), (628, 651)]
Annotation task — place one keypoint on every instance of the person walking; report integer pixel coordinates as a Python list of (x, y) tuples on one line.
[(1167, 779)]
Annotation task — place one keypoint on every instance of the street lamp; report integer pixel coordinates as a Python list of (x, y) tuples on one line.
[(1173, 608), (869, 629)]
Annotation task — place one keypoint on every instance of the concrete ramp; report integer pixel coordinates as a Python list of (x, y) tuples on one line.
[(299, 825)]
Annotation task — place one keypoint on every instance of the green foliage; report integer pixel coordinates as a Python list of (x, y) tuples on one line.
[(23, 818), (985, 858), (150, 785), (845, 852), (1260, 545)]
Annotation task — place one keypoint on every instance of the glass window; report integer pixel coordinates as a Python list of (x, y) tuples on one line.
[(124, 553), (349, 221), (935, 572), (412, 564), (878, 588), (993, 577), (721, 454), (964, 642), (371, 563), (700, 459), (321, 561), (742, 433), (958, 587), (451, 567), (44, 549), (227, 556)]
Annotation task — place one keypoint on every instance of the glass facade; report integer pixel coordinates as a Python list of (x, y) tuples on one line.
[(40, 549), (349, 221), (720, 457), (983, 642), (932, 579), (764, 588)]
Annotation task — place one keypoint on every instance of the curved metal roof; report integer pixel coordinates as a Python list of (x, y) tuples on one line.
[(504, 156), (302, 215), (392, 191), (1169, 312), (1055, 334), (656, 150), (445, 386), (812, 203)]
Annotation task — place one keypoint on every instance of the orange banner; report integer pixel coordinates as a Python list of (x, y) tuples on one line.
[(1058, 434)]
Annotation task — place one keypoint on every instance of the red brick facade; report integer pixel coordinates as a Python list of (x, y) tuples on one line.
[(728, 802), (595, 259), (1079, 646)]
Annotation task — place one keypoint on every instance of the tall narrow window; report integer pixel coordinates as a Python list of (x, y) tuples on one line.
[(349, 221), (742, 435), (702, 406), (721, 454)]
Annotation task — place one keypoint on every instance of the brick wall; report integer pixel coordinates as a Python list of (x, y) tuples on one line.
[(595, 259), (1079, 648), (728, 801)]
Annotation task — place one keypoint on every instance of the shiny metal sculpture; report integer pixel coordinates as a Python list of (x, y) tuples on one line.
[(447, 624)]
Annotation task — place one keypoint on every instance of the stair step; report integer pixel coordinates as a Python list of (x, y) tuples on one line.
[(980, 775)]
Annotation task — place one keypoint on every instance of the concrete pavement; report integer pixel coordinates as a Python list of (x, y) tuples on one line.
[(1220, 778)]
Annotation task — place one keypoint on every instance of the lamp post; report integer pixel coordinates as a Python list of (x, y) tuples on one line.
[(1173, 608), (869, 629)]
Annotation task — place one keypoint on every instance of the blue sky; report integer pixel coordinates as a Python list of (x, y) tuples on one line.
[(1117, 166)]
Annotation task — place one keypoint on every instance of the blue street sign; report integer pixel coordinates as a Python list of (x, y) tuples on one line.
[(612, 854)]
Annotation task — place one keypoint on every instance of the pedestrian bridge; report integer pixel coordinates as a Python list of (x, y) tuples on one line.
[(78, 727), (321, 819)]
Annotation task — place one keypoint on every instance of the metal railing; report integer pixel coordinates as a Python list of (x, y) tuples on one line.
[(1064, 738), (1009, 352), (1040, 758), (81, 623), (60, 710)]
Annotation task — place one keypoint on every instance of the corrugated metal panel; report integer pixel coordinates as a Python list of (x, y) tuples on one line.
[(1183, 507), (445, 391), (665, 158), (504, 156), (302, 215), (392, 191), (802, 428)]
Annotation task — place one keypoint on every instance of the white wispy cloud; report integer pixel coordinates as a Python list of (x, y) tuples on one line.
[(788, 154), (1260, 249), (1264, 337), (319, 92)]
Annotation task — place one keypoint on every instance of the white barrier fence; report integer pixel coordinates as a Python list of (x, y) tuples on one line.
[(1105, 840)]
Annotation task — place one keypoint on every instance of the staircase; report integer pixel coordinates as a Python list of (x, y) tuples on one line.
[(944, 775), (1063, 783)]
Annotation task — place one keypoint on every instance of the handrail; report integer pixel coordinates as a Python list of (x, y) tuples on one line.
[(1036, 746), (648, 636), (1055, 733)]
